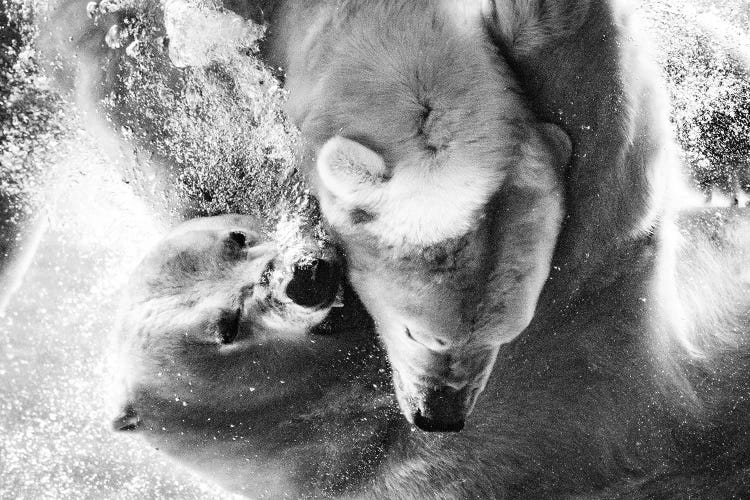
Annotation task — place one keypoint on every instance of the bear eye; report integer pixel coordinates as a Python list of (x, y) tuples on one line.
[(228, 326), (238, 237), (243, 238), (235, 242)]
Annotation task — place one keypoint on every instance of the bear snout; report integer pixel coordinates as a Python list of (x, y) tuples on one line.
[(444, 409), (435, 407), (314, 283)]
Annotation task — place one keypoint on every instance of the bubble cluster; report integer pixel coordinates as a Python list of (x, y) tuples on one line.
[(704, 50)]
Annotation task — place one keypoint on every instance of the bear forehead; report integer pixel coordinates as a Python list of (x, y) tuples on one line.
[(186, 276), (192, 259)]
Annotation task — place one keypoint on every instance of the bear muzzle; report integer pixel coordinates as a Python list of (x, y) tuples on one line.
[(444, 409), (437, 379), (433, 406), (314, 283)]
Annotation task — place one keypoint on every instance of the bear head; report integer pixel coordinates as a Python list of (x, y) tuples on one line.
[(444, 191), (231, 357)]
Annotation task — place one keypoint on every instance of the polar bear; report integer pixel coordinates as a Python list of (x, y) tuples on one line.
[(217, 283), (225, 336), (289, 286), (437, 133), (436, 129), (630, 381), (575, 64), (438, 181), (226, 374)]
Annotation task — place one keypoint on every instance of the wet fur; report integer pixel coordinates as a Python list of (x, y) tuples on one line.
[(424, 151), (582, 407), (630, 382), (576, 65)]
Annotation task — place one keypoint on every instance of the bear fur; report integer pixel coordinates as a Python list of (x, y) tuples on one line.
[(630, 381), (408, 108), (443, 189), (486, 169), (473, 198), (580, 409)]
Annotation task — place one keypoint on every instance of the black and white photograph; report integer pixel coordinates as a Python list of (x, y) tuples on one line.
[(374, 249)]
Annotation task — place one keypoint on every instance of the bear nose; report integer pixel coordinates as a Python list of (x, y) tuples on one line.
[(314, 283), (444, 409)]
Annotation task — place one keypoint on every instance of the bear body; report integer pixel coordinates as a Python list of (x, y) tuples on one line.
[(445, 189), (423, 120), (630, 380), (438, 181), (577, 408)]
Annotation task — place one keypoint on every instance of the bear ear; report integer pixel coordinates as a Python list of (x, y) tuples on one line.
[(349, 171), (342, 156), (560, 142), (127, 419)]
